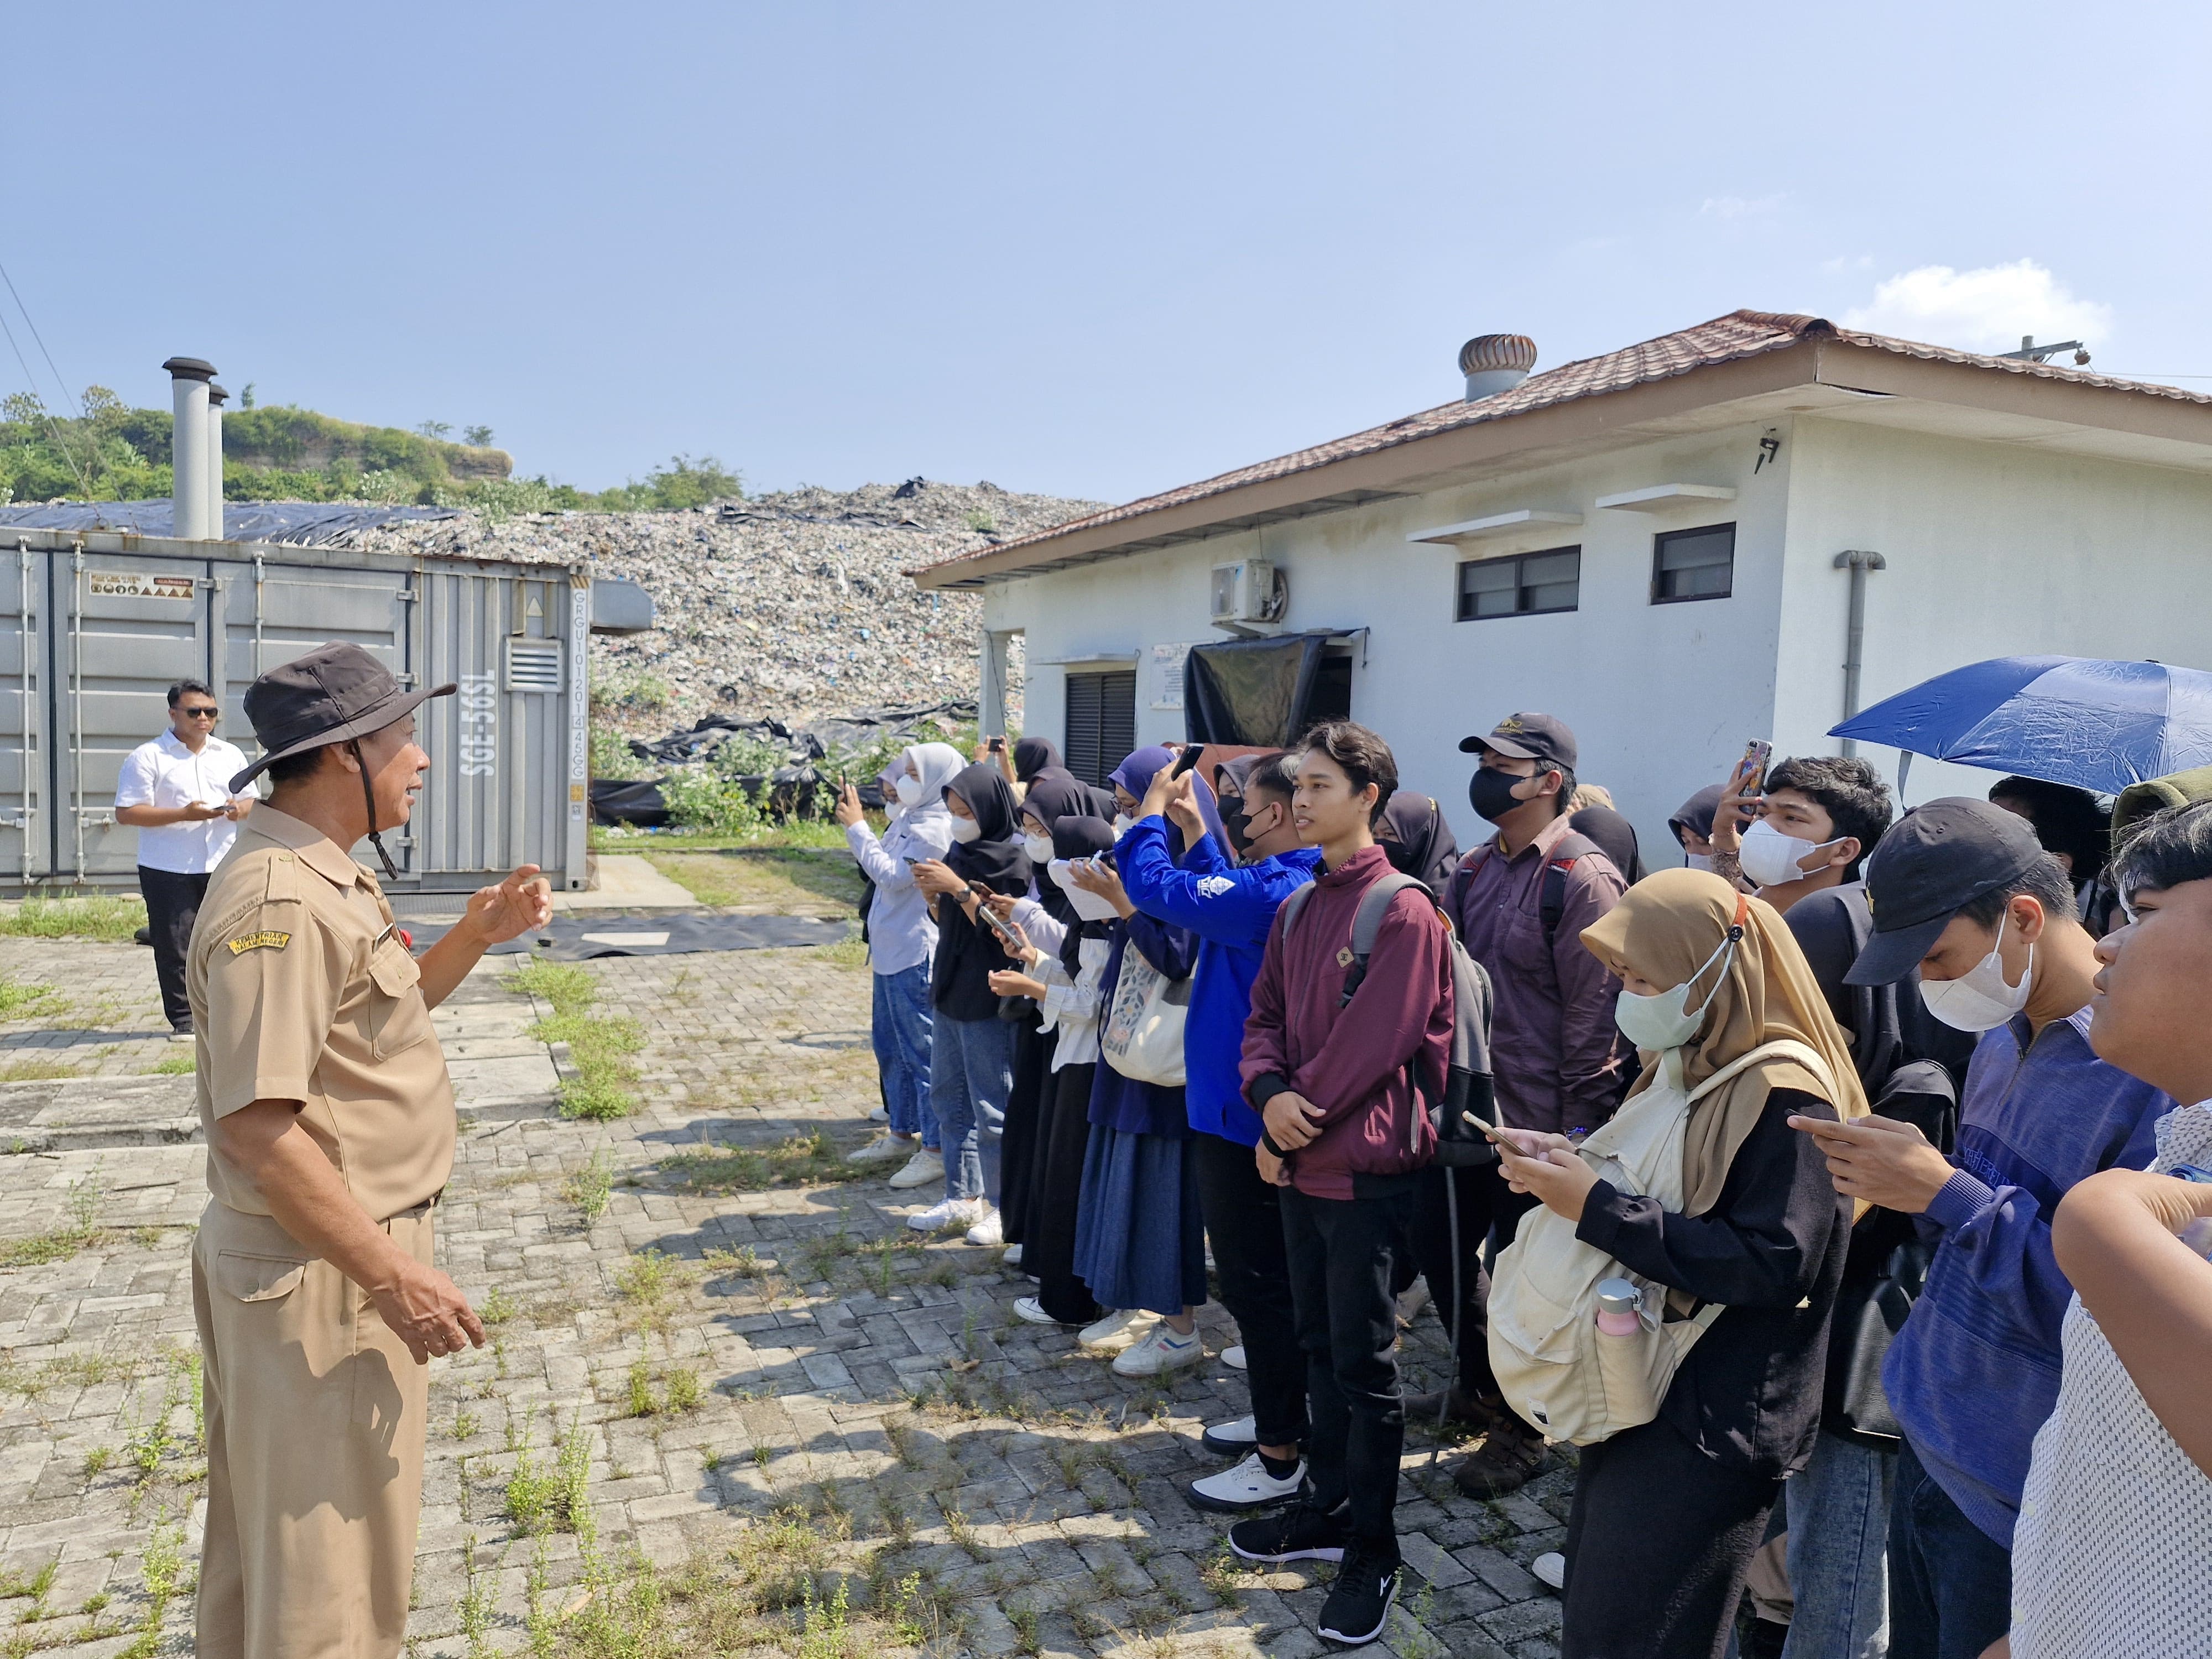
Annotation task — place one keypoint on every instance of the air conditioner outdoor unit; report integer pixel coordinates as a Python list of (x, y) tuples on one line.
[(1249, 591)]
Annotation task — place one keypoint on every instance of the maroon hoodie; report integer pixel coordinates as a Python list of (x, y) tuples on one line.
[(1350, 1061)]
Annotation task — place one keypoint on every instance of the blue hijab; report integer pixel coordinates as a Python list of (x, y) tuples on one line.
[(1135, 776)]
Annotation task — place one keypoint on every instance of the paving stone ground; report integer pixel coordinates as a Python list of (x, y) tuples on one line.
[(879, 1456)]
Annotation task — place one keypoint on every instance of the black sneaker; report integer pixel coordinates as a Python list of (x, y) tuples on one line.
[(1301, 1533), (1359, 1605)]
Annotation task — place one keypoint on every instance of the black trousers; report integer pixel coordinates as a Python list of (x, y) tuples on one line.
[(1244, 1222), (1658, 1543), (1028, 1106), (1484, 1202), (1343, 1253), (1055, 1193), (172, 905)]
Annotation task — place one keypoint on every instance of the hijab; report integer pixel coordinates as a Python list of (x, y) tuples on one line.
[(1033, 756), (1664, 927), (1058, 796), (1418, 841), (1695, 814), (994, 858), (935, 764), (1614, 836), (1082, 838), (1135, 775)]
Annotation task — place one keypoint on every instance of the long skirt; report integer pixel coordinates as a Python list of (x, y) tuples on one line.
[(1139, 1239), (1055, 1191), (1025, 1113)]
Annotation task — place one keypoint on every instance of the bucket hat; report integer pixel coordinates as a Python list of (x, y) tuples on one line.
[(335, 692)]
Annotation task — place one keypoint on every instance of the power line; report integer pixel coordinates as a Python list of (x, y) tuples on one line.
[(83, 474), (60, 383)]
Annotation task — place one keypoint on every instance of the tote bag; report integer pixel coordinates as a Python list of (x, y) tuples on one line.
[(1142, 1038)]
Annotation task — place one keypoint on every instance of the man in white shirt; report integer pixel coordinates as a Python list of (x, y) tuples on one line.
[(175, 792)]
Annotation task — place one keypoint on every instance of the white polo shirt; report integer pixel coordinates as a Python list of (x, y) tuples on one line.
[(164, 773)]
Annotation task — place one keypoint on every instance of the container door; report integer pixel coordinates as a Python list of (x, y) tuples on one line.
[(26, 786), (133, 624)]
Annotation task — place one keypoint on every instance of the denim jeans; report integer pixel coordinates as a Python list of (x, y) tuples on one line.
[(1839, 1552), (900, 1030), (971, 1073), (1950, 1584)]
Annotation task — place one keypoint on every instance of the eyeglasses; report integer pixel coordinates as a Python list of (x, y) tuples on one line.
[(209, 713)]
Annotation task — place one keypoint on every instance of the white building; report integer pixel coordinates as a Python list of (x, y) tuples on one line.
[(1645, 544)]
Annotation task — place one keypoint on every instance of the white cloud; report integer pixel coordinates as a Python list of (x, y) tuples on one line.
[(1741, 207), (1982, 310)]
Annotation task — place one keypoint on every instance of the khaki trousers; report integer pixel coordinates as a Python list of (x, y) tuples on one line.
[(315, 1413)]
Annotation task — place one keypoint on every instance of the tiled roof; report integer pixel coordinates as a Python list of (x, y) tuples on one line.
[(1725, 339)]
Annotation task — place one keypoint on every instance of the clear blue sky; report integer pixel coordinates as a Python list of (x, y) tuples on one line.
[(1090, 250)]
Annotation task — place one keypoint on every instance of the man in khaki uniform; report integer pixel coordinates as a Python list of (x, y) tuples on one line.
[(329, 1122)]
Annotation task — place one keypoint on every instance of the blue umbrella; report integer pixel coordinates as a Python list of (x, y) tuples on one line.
[(2082, 720)]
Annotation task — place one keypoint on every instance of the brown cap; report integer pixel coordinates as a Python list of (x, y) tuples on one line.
[(333, 693)]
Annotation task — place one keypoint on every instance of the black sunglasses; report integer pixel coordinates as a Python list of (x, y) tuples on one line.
[(209, 713)]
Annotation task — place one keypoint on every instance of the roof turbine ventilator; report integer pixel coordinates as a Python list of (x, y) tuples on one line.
[(1496, 362)]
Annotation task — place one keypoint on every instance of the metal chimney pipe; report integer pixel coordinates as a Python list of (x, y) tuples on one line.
[(188, 446), (1858, 563), (217, 398)]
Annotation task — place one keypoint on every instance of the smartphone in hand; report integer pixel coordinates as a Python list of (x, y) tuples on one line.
[(1187, 759), (1752, 768)]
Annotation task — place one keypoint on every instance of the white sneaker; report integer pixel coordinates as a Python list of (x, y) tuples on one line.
[(879, 1115), (1030, 1308), (882, 1150), (1161, 1351), (991, 1231), (924, 1167), (947, 1213), (1410, 1303), (1013, 1255), (1117, 1331), (1234, 1358), (1232, 1440), (1247, 1486), (1550, 1569)]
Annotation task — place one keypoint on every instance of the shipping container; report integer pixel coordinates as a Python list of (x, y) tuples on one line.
[(95, 625)]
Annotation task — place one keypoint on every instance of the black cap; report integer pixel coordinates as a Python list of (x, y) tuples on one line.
[(1936, 860), (1528, 737), (333, 693)]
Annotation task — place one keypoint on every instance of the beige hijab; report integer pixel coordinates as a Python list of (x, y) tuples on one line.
[(1666, 927)]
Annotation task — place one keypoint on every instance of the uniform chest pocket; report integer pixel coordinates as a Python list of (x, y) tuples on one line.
[(399, 1018)]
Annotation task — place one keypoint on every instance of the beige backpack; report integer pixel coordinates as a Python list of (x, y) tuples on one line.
[(1554, 1365)]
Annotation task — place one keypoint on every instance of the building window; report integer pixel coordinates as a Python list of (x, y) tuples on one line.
[(1102, 723), (1528, 585), (1693, 564)]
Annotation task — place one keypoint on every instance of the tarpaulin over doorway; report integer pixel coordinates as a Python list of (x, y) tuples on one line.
[(1252, 691)]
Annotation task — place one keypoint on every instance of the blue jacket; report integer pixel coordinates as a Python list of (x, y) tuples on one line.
[(1231, 907), (1975, 1371)]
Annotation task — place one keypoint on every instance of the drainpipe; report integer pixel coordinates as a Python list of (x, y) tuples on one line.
[(1858, 563), (188, 447), (217, 398)]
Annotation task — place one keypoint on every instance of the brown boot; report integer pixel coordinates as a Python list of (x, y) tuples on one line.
[(1456, 1408), (1511, 1455)]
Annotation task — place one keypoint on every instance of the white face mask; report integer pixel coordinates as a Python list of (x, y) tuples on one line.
[(1770, 858), (909, 790), (1979, 999), (1698, 861), (1039, 848), (1122, 823), (1657, 1023), (966, 829)]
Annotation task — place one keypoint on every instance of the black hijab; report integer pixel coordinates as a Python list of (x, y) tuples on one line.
[(1614, 836), (1418, 840), (1695, 814), (1033, 756), (1079, 838), (995, 857), (1056, 797)]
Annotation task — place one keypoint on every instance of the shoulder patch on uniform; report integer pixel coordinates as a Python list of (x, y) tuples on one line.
[(267, 939), (1215, 886)]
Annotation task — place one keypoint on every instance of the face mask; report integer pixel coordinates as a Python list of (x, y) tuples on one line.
[(966, 829), (1039, 848), (1656, 1023), (1491, 793), (1698, 861), (1122, 823), (1239, 826), (1770, 858), (1979, 999), (909, 791)]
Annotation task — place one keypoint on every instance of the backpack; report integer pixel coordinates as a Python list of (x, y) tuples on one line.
[(1463, 1097)]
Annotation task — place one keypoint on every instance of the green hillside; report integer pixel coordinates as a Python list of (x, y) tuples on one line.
[(283, 453)]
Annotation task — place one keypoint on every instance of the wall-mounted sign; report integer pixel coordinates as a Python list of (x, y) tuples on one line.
[(1167, 675), (134, 585)]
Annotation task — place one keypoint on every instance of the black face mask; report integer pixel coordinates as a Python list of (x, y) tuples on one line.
[(1491, 793), (1239, 826)]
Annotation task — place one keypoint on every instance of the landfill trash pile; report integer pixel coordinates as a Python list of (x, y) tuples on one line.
[(783, 606)]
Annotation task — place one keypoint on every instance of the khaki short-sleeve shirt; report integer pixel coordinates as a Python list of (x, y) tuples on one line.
[(303, 990)]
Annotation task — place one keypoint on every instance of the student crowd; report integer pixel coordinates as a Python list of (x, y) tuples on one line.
[(1843, 1194)]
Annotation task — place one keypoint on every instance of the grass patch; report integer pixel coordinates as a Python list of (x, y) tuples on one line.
[(598, 1045), (31, 1071), (801, 835), (845, 952), (23, 998), (590, 1187), (782, 881), (176, 1066), (111, 918), (806, 1160)]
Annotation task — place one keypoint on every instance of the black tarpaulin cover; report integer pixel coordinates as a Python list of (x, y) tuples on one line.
[(1251, 691)]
